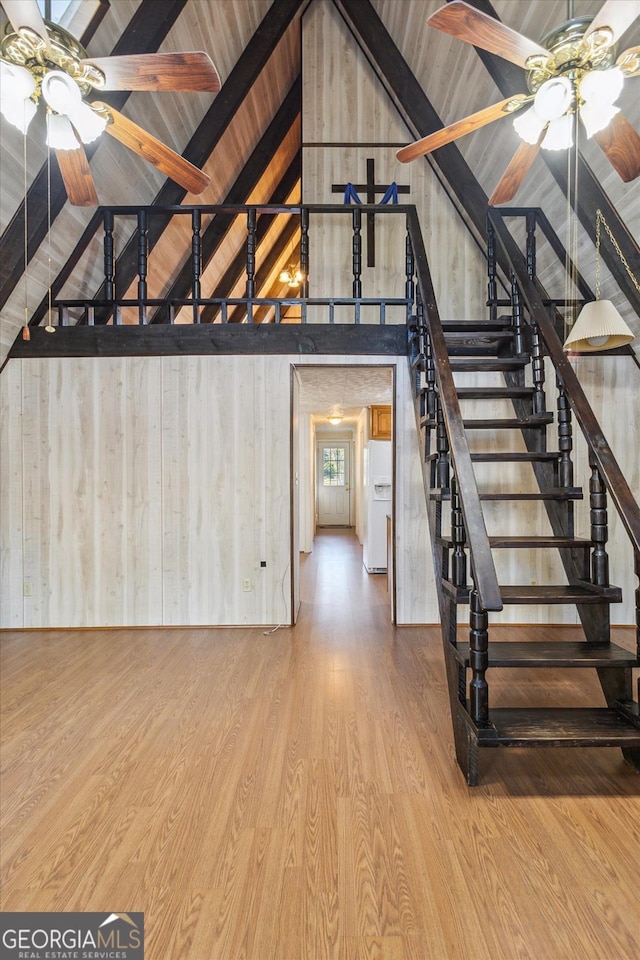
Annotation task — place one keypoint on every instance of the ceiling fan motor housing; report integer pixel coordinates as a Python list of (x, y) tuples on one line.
[(570, 54)]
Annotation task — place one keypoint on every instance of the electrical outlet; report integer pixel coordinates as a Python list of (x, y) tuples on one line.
[(247, 586), (27, 589)]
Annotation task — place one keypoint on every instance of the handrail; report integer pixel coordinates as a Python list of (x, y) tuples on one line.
[(484, 572), (603, 457)]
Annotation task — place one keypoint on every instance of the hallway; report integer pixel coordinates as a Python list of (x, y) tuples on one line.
[(293, 795)]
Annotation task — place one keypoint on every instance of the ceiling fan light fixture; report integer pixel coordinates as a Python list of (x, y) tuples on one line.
[(554, 98), (602, 85), (60, 135), (88, 124), (20, 113), (529, 125), (61, 92), (596, 115), (559, 135)]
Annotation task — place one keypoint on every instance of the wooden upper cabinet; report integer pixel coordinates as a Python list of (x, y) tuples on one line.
[(381, 422)]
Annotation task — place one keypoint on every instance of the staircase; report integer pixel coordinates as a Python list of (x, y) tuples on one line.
[(462, 370)]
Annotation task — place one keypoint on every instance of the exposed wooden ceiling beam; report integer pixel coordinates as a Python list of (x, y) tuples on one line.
[(414, 107), (220, 114), (240, 191), (147, 29), (590, 196)]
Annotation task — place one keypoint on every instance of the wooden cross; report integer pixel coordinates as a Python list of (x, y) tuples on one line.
[(372, 188)]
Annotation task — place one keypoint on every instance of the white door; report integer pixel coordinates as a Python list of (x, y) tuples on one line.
[(333, 484)]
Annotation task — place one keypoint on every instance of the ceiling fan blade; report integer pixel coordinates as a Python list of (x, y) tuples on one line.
[(465, 22), (515, 173), (621, 143), (153, 150), (461, 127), (78, 181), (629, 62), (617, 15), (25, 13), (158, 71)]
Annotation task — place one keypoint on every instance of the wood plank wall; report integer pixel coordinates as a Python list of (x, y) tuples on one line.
[(144, 491)]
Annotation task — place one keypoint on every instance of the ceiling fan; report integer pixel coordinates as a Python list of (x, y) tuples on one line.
[(574, 72), (41, 60)]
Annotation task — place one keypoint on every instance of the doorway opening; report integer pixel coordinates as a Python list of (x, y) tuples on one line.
[(343, 467)]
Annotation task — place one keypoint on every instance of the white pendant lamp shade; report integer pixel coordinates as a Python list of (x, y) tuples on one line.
[(599, 327), (60, 135), (16, 88)]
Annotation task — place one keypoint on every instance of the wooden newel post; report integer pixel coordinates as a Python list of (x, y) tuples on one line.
[(478, 660)]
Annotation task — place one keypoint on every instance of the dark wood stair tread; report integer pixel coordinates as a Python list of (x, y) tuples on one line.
[(561, 653), (526, 543), (516, 456), (560, 727), (461, 364), (477, 326), (559, 493), (542, 593), (510, 423), (493, 393)]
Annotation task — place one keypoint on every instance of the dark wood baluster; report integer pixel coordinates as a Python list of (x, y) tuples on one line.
[(409, 268), (537, 368), (430, 374), (565, 439), (442, 449), (304, 252), (599, 528), (143, 258), (356, 247), (492, 287), (458, 537), (531, 243), (251, 261), (109, 259), (196, 262), (478, 660), (518, 319)]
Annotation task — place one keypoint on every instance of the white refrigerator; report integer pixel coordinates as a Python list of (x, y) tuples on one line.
[(377, 474)]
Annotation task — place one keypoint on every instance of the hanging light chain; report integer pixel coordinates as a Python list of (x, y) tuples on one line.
[(600, 220)]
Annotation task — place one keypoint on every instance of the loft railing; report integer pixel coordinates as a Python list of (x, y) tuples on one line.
[(193, 304)]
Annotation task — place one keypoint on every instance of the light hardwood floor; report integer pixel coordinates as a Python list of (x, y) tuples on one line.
[(295, 796)]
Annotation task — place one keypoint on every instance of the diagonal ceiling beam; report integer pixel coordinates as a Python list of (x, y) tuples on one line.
[(590, 196), (220, 114), (148, 27), (244, 184), (414, 107)]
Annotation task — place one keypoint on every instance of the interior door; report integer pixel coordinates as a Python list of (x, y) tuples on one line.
[(333, 486)]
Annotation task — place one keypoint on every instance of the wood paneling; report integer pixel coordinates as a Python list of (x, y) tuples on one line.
[(365, 114)]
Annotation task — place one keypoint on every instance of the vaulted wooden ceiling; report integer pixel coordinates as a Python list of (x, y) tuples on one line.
[(248, 137)]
